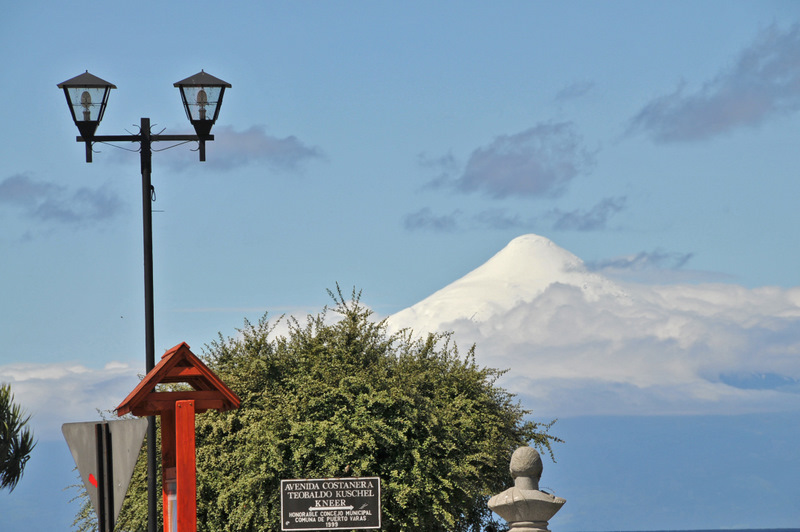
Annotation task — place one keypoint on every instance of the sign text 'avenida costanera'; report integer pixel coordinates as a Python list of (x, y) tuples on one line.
[(331, 503)]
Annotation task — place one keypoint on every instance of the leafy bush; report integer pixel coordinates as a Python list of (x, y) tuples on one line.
[(345, 398)]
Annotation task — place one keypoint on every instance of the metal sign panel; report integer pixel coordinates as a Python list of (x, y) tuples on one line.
[(331, 503), (126, 437)]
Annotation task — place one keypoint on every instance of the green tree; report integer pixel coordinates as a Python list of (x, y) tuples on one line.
[(337, 398), (16, 440)]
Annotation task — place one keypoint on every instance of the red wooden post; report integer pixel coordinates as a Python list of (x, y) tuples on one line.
[(185, 466)]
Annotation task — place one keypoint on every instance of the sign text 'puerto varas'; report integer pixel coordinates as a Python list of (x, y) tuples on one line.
[(331, 503)]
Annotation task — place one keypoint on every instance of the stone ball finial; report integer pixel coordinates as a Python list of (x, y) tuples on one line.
[(526, 462)]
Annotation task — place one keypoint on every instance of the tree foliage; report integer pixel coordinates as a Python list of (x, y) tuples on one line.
[(16, 440), (339, 398)]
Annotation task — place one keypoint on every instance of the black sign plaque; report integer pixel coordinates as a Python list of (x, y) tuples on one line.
[(331, 503)]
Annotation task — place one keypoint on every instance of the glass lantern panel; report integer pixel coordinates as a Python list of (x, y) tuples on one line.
[(202, 102), (86, 102)]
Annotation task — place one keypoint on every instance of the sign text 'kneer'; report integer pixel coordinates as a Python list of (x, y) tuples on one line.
[(331, 503)]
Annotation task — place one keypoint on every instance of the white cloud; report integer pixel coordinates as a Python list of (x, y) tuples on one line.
[(655, 267), (540, 161), (52, 202), (233, 149), (593, 219), (54, 394), (426, 219), (577, 343), (574, 91), (763, 83)]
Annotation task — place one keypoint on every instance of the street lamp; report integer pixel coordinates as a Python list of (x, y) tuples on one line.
[(87, 96), (202, 99)]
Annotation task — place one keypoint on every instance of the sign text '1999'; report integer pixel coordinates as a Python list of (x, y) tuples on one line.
[(331, 503)]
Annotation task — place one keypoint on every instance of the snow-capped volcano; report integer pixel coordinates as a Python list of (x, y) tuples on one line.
[(575, 342), (517, 274)]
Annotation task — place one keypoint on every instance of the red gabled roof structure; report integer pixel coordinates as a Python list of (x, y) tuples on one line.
[(179, 365)]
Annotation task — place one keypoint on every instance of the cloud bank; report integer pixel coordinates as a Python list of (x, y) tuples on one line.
[(763, 83), (234, 149), (54, 394), (540, 161), (50, 202), (593, 219), (588, 220), (578, 343), (574, 91)]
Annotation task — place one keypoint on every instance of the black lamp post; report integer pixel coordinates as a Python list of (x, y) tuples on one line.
[(87, 96)]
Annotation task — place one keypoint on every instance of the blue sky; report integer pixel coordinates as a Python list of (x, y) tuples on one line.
[(394, 146)]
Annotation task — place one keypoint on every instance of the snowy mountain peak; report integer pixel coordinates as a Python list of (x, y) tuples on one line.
[(533, 258), (518, 273)]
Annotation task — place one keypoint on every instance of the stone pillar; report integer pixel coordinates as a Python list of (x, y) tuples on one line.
[(524, 507)]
